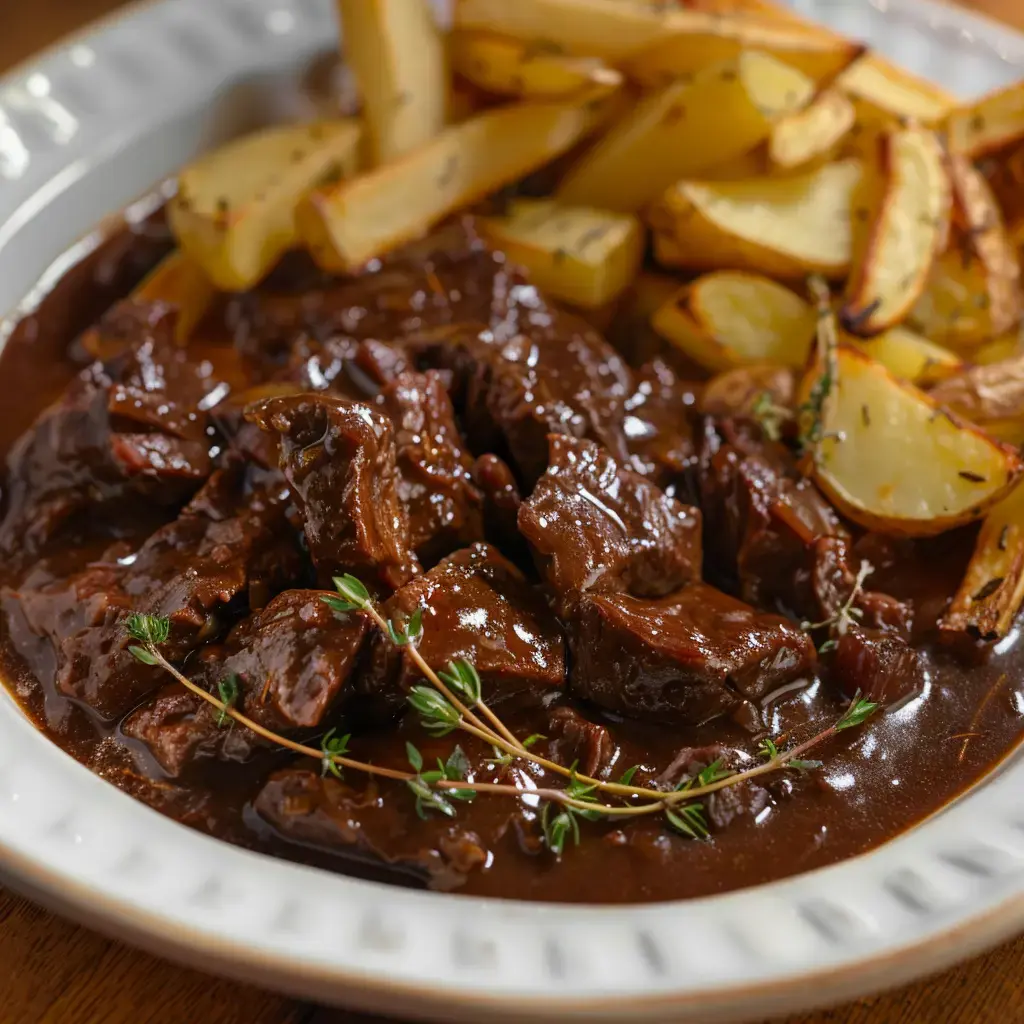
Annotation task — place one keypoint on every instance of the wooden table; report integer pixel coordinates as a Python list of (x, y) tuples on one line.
[(52, 972)]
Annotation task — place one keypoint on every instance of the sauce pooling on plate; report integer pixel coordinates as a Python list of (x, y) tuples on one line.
[(646, 591)]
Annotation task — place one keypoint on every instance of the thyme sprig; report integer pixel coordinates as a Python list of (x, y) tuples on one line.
[(451, 702), (846, 615), (810, 414)]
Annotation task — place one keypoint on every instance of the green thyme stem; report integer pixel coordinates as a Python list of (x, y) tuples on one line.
[(267, 734)]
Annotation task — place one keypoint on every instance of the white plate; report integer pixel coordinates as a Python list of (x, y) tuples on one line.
[(91, 124)]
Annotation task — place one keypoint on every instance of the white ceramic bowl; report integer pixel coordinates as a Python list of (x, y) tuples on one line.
[(93, 123)]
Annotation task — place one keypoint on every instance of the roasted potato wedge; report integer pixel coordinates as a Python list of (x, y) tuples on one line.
[(886, 97), (988, 125), (693, 40), (346, 225), (991, 396), (992, 591), (584, 256), (811, 133), (397, 53), (732, 318), (181, 282), (608, 29), (974, 292), (234, 212), (513, 67), (910, 356), (683, 128), (908, 230), (1004, 347), (873, 426), (783, 227)]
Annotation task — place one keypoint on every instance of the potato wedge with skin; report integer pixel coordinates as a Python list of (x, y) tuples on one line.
[(583, 256), (683, 128), (234, 212), (992, 591), (512, 67), (988, 125), (874, 428), (180, 282), (813, 132), (347, 225), (974, 292), (910, 356), (397, 53), (782, 227), (731, 318), (908, 231), (991, 396)]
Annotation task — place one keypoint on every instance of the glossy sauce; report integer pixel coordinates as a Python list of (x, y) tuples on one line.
[(907, 763)]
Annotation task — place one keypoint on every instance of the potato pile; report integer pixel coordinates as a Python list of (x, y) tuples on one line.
[(703, 166)]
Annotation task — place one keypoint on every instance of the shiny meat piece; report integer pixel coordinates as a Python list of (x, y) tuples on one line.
[(449, 278), (476, 605), (340, 463), (501, 500), (128, 432), (880, 666), (777, 540), (537, 370), (291, 662), (594, 526), (682, 659), (434, 479), (229, 548), (331, 815), (657, 424), (574, 740)]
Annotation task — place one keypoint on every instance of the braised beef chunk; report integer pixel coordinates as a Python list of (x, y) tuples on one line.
[(339, 460), (501, 500), (434, 469), (657, 426), (290, 661), (682, 659), (880, 666), (229, 547), (575, 740), (595, 526), (332, 815), (127, 432), (538, 371), (452, 278), (477, 606), (776, 539)]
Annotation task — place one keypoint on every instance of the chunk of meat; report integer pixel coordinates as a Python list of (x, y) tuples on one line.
[(339, 460), (449, 278), (575, 740), (657, 425), (535, 371), (501, 500), (477, 606), (291, 662), (778, 541), (126, 433), (331, 815), (884, 668), (682, 659), (595, 527), (229, 549), (434, 469)]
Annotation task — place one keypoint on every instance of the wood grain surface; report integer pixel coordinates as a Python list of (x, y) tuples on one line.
[(53, 972)]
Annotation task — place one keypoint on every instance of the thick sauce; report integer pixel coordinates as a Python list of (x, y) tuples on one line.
[(905, 764)]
